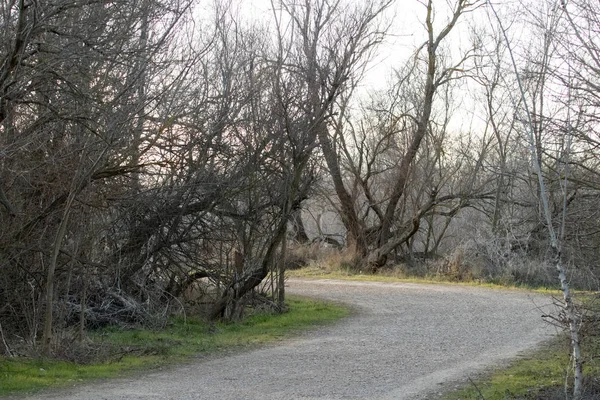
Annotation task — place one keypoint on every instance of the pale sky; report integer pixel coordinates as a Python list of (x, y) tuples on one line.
[(406, 33)]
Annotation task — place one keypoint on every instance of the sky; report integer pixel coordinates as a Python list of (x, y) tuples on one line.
[(407, 32)]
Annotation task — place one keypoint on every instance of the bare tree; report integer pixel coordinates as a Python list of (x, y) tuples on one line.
[(388, 157), (534, 127), (67, 105)]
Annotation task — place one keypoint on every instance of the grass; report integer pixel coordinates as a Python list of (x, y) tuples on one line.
[(141, 349), (314, 271), (540, 375), (543, 373), (525, 378)]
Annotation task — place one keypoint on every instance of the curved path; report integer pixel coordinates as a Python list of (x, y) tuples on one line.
[(403, 341)]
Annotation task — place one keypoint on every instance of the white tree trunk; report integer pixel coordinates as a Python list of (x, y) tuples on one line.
[(568, 306)]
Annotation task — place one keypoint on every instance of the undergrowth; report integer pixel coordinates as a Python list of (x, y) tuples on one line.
[(480, 266), (315, 271), (115, 351)]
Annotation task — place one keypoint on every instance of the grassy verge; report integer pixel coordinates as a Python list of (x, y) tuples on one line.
[(313, 271), (540, 375), (543, 373), (135, 350), (525, 378)]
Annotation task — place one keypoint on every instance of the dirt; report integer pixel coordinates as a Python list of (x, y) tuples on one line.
[(402, 341)]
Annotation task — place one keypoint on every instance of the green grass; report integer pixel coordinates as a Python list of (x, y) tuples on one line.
[(542, 374), (135, 350), (522, 379), (313, 271)]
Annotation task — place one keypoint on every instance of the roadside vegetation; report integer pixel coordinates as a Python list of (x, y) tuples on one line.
[(112, 351), (545, 374), (155, 150), (327, 263)]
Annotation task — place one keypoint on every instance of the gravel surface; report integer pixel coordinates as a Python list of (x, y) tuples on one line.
[(403, 341)]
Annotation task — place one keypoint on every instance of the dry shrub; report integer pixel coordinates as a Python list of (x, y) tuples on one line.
[(321, 254), (506, 262), (200, 296), (484, 259), (455, 267), (69, 347), (300, 255), (339, 260), (489, 260)]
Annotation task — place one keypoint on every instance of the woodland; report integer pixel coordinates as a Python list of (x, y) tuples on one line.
[(149, 145)]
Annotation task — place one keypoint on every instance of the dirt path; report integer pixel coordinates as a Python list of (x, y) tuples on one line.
[(404, 341)]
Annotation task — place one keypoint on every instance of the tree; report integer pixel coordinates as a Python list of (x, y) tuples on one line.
[(319, 47), (533, 125), (373, 244), (66, 129)]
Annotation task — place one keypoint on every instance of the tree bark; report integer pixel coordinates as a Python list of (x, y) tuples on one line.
[(355, 241), (378, 258), (568, 306), (50, 275)]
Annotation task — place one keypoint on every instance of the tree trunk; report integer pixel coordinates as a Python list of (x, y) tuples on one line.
[(355, 241), (431, 86), (62, 229), (568, 307), (281, 272), (299, 229)]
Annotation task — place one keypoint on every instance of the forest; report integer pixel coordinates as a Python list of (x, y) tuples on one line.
[(148, 145)]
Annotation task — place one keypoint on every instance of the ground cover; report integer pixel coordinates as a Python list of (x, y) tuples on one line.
[(545, 374), (120, 351)]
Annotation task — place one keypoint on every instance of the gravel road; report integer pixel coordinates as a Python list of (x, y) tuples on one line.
[(403, 341)]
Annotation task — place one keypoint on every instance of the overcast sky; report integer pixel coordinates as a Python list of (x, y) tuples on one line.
[(406, 33)]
